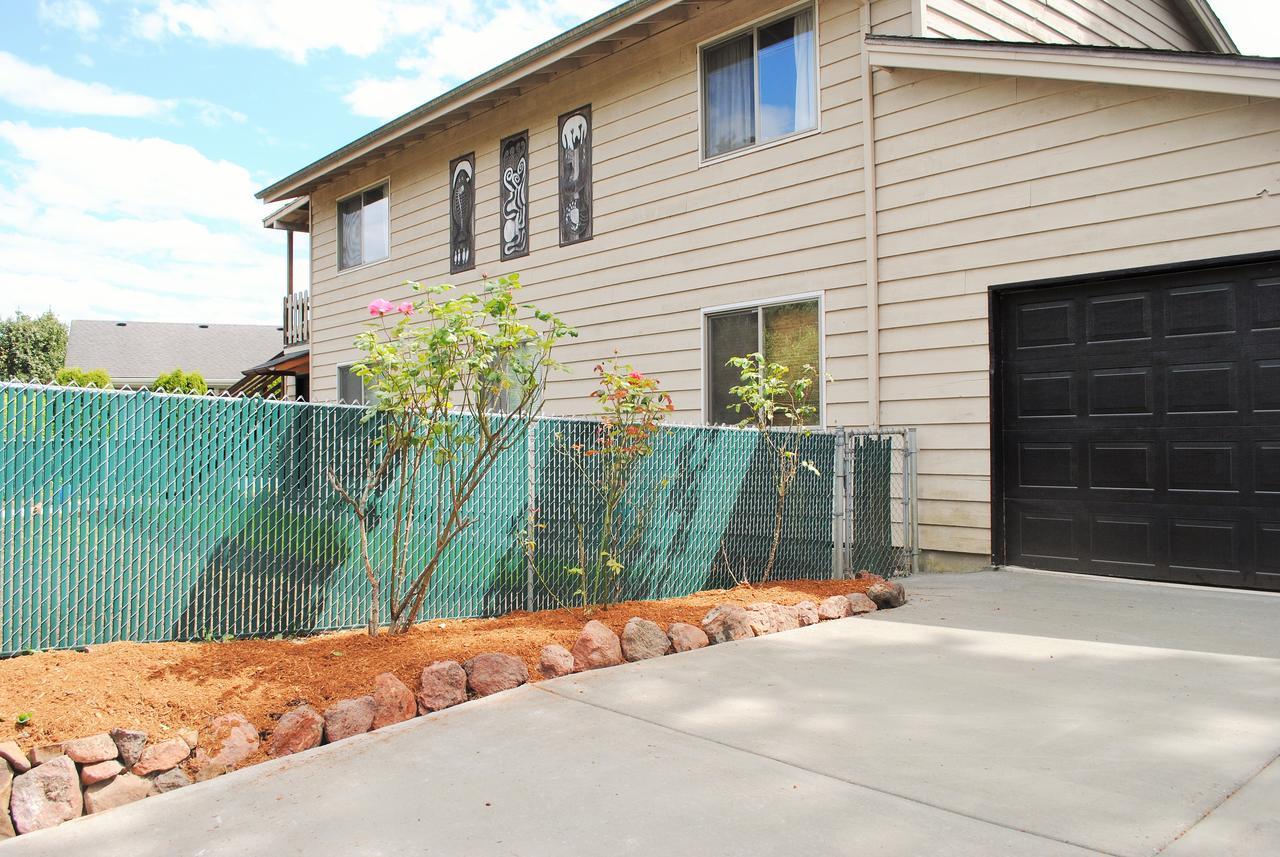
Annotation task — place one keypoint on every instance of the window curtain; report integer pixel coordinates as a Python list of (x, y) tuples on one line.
[(730, 95), (806, 94), (350, 233)]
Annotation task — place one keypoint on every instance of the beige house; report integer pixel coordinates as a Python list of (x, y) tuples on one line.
[(861, 184)]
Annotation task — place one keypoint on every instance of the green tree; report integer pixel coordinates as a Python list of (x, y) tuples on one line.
[(774, 400), (32, 347), (632, 407), (71, 376), (178, 381), (436, 385)]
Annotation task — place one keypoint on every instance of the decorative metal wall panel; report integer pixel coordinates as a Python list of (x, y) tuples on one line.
[(513, 167), (576, 215), (462, 213)]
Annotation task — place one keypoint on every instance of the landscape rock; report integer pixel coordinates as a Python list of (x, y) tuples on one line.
[(493, 672), (887, 594), (191, 736), (12, 753), (555, 661), (230, 740), (348, 717), (129, 744), (443, 684), (299, 729), (806, 613), (100, 772), (860, 603), (643, 639), (124, 789), (686, 637), (89, 751), (597, 647), (726, 623), (40, 755), (765, 617), (162, 756), (393, 702), (835, 607), (170, 780), (6, 789), (46, 795)]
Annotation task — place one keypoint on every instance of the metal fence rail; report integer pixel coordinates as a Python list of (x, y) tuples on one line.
[(145, 517)]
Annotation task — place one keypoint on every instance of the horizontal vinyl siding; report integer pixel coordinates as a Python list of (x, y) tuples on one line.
[(1125, 23), (672, 237), (985, 181)]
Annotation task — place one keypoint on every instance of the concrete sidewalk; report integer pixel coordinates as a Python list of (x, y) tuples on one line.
[(996, 714)]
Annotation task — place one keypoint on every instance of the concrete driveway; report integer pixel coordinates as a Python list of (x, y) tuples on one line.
[(999, 713)]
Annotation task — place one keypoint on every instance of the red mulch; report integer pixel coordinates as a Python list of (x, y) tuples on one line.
[(162, 687)]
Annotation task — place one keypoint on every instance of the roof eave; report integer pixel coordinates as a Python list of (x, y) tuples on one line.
[(616, 19), (1195, 72)]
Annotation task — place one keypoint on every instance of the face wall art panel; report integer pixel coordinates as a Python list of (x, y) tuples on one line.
[(514, 196), (462, 213), (575, 176)]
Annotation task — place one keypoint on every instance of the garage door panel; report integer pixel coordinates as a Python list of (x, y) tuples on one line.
[(1118, 317), (1140, 426), (1200, 309), (1264, 301)]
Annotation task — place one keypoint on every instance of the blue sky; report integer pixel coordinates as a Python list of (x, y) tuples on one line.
[(133, 133)]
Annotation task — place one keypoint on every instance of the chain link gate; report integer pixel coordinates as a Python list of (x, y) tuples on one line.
[(877, 522)]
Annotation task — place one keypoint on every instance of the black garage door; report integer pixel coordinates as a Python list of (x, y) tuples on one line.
[(1139, 426)]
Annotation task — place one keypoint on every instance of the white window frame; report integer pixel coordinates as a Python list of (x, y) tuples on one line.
[(337, 209), (753, 26), (802, 297), (337, 384)]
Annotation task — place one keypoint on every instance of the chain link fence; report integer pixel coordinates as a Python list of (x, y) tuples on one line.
[(144, 517)]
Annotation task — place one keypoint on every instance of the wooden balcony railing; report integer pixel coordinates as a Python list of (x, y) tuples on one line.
[(297, 318)]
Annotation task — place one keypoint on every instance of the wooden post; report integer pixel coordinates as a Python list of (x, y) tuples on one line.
[(289, 264)]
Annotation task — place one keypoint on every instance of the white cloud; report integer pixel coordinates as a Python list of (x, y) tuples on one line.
[(35, 87), (100, 226), (1254, 26), (75, 15), (295, 28), (451, 41), (465, 47)]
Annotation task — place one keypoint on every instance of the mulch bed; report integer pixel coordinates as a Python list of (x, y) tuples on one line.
[(162, 687)]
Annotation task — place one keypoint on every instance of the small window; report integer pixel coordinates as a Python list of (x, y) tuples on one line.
[(785, 333), (351, 388), (760, 85), (364, 227)]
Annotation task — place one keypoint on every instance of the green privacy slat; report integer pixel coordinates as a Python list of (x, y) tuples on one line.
[(135, 516)]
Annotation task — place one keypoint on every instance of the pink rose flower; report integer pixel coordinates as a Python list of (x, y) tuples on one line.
[(406, 307), (381, 306)]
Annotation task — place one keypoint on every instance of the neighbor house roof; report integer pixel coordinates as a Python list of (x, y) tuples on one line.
[(137, 352), (620, 26)]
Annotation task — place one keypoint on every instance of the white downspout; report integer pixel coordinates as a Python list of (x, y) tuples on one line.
[(872, 229)]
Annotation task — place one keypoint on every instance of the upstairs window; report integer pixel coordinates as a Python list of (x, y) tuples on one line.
[(760, 85), (364, 227)]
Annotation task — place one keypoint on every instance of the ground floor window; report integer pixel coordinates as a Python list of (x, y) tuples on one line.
[(786, 332)]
